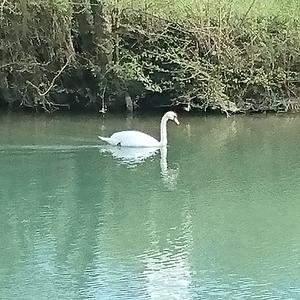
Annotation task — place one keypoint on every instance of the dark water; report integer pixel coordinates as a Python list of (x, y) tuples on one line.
[(219, 218)]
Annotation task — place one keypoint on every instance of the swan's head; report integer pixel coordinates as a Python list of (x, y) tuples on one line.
[(171, 115)]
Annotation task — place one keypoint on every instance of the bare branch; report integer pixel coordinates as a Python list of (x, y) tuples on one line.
[(53, 80), (25, 64), (1, 10)]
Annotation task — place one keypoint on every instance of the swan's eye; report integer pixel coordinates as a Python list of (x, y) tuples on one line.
[(175, 120)]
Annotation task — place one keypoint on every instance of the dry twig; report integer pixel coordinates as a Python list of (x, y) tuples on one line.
[(53, 80)]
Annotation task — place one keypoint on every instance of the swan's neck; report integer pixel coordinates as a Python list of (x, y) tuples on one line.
[(163, 131)]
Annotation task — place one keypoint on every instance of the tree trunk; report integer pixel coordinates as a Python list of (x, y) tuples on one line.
[(102, 33)]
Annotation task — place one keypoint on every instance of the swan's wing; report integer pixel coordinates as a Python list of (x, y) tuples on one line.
[(131, 138)]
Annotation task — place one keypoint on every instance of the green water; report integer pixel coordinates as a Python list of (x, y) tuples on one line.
[(218, 218)]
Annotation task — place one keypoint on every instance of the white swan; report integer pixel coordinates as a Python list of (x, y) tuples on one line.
[(132, 138)]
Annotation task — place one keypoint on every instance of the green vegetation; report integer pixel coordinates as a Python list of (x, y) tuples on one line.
[(226, 55)]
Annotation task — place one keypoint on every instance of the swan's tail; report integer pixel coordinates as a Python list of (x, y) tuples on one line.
[(105, 139)]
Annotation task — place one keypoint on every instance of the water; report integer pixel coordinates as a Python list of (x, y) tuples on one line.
[(217, 218)]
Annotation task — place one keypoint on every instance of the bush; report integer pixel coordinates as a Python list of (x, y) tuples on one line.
[(208, 55)]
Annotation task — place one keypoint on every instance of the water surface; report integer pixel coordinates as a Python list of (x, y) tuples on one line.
[(217, 218)]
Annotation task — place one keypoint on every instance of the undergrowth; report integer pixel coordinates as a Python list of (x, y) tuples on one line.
[(223, 55)]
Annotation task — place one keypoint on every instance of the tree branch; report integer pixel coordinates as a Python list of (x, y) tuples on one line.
[(53, 80), (1, 10)]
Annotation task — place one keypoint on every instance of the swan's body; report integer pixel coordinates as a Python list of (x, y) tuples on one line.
[(131, 138)]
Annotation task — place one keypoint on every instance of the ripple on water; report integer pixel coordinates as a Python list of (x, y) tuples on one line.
[(33, 149)]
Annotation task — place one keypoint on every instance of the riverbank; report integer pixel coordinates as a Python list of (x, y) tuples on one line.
[(99, 56)]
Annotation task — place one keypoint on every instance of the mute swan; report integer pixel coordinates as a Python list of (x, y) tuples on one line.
[(132, 138)]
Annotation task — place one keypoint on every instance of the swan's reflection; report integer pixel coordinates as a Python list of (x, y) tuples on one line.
[(131, 156), (169, 175)]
